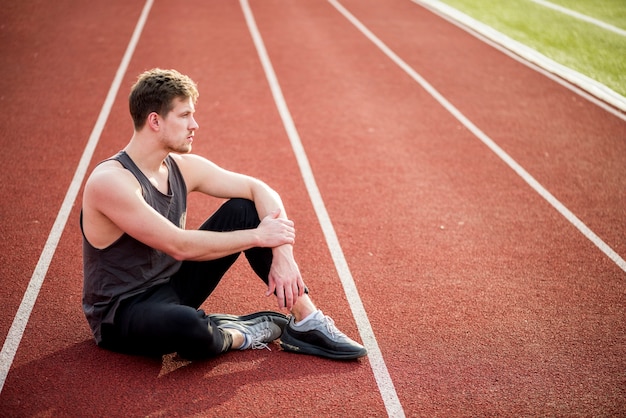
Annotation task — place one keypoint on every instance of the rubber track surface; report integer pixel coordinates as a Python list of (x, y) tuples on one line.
[(483, 299)]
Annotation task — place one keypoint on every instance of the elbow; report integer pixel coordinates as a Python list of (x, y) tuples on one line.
[(183, 252), (178, 256), (179, 249)]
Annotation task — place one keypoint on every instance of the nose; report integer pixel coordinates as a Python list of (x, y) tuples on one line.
[(193, 125)]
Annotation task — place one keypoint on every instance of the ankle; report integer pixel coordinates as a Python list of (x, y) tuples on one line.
[(303, 308), (238, 338), (315, 314)]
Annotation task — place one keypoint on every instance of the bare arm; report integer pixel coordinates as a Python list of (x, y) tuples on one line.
[(113, 204)]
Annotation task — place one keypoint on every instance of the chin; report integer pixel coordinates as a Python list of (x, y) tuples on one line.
[(183, 150)]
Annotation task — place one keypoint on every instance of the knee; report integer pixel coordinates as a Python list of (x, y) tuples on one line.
[(243, 212), (234, 214), (240, 205)]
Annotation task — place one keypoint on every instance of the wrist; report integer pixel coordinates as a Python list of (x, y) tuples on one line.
[(283, 250)]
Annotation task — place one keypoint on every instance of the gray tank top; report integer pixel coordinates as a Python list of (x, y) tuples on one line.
[(128, 267)]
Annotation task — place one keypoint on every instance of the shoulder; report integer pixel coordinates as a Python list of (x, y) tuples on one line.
[(109, 171), (195, 168), (111, 193), (110, 177)]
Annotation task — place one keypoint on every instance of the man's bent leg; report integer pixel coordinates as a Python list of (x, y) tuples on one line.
[(196, 280), (155, 324)]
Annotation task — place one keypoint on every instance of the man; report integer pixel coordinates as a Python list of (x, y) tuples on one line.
[(145, 275)]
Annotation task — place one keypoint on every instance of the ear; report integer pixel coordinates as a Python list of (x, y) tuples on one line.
[(154, 121)]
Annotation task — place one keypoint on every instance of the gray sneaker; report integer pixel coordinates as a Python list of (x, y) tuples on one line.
[(258, 329), (319, 336)]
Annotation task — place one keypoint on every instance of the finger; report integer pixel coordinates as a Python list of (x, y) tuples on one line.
[(295, 291), (271, 286), (280, 295), (288, 298)]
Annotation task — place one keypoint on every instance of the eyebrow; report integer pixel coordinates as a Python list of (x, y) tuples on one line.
[(187, 110)]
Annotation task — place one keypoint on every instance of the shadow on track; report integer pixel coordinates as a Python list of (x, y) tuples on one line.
[(83, 380)]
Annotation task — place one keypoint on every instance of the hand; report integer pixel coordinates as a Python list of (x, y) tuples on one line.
[(274, 231), (285, 278)]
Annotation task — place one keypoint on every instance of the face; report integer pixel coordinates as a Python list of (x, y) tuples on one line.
[(178, 127)]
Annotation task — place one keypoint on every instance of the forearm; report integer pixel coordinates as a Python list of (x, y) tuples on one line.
[(273, 231), (200, 245)]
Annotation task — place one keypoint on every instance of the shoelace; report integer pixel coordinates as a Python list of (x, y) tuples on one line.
[(331, 328), (257, 341)]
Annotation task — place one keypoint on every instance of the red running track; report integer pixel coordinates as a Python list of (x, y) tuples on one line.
[(482, 298)]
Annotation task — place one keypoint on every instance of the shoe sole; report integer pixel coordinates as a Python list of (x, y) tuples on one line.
[(292, 345), (282, 319)]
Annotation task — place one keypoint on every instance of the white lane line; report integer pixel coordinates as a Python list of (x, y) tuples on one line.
[(381, 374), (581, 16), (530, 180), (589, 85), (32, 291)]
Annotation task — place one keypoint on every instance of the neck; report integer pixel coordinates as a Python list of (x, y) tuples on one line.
[(149, 160)]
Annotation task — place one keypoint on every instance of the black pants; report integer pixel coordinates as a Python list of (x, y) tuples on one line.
[(166, 318)]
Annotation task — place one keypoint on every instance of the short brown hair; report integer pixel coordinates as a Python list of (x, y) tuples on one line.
[(155, 91)]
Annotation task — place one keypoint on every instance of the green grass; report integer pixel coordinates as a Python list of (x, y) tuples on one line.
[(595, 52)]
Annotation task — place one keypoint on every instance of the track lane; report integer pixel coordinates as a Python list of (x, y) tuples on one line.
[(51, 95), (379, 368)]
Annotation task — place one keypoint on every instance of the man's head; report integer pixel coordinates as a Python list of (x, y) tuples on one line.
[(155, 91)]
